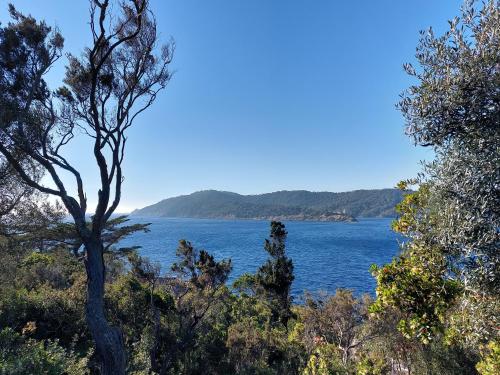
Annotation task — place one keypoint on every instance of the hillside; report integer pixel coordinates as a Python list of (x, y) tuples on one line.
[(283, 205)]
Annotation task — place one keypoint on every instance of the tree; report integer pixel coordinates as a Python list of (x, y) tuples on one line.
[(197, 289), (12, 191), (455, 108), (105, 89), (336, 320), (23, 211), (64, 235), (419, 281), (274, 278), (447, 278), (25, 216)]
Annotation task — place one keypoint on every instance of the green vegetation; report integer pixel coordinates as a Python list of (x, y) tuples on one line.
[(72, 302), (192, 323), (105, 89), (21, 355), (445, 284), (282, 205)]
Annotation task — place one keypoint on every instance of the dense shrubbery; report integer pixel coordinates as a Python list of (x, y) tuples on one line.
[(191, 323), (21, 355)]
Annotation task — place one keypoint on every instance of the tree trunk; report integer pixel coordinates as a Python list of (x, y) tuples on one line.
[(108, 340), (154, 353)]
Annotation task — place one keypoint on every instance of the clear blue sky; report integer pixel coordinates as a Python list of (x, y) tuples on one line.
[(267, 95)]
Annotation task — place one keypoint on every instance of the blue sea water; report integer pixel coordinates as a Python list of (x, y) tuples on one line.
[(326, 255)]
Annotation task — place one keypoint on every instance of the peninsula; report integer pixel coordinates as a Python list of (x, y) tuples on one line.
[(297, 205)]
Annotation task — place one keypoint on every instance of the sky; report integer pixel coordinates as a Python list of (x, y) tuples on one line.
[(266, 95)]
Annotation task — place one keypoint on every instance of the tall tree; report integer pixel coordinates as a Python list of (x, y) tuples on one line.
[(274, 278), (455, 108), (449, 273), (114, 80)]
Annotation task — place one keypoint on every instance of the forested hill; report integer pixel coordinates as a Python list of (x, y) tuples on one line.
[(298, 205)]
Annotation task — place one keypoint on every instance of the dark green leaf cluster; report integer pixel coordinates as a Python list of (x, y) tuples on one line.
[(274, 278)]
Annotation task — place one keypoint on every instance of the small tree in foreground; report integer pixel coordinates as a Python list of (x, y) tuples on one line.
[(114, 80)]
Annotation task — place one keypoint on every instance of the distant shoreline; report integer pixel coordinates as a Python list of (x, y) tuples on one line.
[(347, 219), (146, 218)]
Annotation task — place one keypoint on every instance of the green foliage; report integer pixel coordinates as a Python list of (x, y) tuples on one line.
[(416, 283), (22, 356), (48, 289), (332, 330), (372, 366), (490, 361), (63, 235), (200, 267), (256, 346), (326, 360), (36, 258), (258, 340), (192, 324), (445, 280), (453, 107), (274, 279), (419, 281), (21, 43), (246, 284), (126, 300), (437, 305)]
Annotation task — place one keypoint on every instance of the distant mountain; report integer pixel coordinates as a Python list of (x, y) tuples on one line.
[(280, 205)]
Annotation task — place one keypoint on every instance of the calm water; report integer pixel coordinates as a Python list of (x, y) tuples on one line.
[(326, 256)]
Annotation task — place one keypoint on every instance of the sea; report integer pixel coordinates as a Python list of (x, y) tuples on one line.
[(325, 255)]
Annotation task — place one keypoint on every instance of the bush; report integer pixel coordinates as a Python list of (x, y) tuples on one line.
[(490, 363), (22, 356)]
